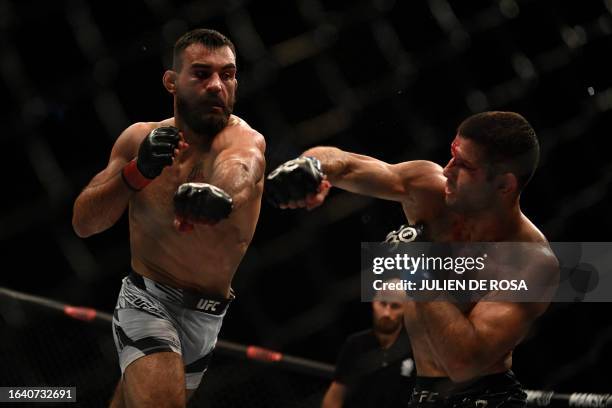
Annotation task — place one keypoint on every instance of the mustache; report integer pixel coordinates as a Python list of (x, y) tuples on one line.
[(212, 101)]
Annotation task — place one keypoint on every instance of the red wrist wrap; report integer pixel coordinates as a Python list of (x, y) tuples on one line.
[(133, 177)]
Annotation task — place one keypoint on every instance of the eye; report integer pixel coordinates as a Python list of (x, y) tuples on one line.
[(227, 75), (201, 74)]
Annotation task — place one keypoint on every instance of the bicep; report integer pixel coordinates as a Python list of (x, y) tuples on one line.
[(373, 177), (501, 326)]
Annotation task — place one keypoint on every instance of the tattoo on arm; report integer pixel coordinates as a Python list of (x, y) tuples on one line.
[(197, 172)]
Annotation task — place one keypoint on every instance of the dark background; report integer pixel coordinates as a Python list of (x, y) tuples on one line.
[(391, 79)]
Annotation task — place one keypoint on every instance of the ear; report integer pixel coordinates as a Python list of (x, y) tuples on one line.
[(169, 81), (507, 183)]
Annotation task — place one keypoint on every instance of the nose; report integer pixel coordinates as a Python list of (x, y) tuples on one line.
[(447, 172), (386, 310), (214, 83)]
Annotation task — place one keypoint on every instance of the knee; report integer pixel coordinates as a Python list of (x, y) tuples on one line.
[(165, 394)]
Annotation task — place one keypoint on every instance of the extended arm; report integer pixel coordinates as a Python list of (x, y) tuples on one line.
[(291, 184), (366, 175), (237, 177)]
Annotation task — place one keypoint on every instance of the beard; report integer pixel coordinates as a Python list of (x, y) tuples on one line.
[(198, 113), (385, 325)]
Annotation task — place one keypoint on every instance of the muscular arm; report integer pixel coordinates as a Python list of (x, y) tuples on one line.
[(467, 345), (106, 196), (239, 168), (369, 176), (334, 397)]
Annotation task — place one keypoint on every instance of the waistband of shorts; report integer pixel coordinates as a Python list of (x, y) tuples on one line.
[(191, 299), (444, 388)]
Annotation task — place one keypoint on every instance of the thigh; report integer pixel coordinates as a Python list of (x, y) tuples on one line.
[(199, 333), (142, 326), (156, 380)]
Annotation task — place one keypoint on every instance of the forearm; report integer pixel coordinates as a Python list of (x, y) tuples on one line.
[(360, 174), (334, 397), (100, 205), (329, 401), (334, 162), (453, 337)]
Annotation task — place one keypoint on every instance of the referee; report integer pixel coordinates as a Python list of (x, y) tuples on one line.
[(375, 366)]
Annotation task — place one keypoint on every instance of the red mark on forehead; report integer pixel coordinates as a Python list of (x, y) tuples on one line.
[(454, 147)]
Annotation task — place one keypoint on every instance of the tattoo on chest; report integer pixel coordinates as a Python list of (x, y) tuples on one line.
[(196, 172)]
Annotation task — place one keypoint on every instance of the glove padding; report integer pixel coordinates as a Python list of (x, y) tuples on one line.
[(157, 151), (294, 180), (201, 203)]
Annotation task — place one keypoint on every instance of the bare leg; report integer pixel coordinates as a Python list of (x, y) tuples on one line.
[(117, 401), (156, 380)]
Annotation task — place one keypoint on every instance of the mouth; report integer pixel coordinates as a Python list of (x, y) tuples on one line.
[(213, 104)]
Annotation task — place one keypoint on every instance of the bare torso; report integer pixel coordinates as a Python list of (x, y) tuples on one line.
[(442, 225), (206, 258)]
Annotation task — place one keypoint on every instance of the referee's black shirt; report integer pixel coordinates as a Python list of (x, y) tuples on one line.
[(375, 377)]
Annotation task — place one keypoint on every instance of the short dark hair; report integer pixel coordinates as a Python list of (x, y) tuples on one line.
[(209, 38), (509, 142)]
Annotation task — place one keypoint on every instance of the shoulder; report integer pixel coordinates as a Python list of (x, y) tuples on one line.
[(238, 133), (528, 232), (536, 246), (139, 130), (419, 175), (129, 140)]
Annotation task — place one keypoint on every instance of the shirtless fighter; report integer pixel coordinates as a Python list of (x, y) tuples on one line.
[(463, 352), (193, 184)]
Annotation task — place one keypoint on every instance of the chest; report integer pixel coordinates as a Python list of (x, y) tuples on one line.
[(158, 196)]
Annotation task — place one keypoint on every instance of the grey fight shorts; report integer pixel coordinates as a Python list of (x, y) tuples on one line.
[(151, 318)]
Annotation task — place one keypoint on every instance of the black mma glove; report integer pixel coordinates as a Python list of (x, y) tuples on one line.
[(156, 152), (201, 203), (294, 180)]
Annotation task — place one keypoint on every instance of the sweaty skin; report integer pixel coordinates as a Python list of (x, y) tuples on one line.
[(207, 257), (168, 250), (203, 254), (460, 341)]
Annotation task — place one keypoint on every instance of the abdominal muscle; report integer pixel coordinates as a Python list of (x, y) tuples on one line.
[(204, 259)]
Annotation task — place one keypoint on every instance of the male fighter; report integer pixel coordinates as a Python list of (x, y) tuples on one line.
[(193, 184), (463, 352)]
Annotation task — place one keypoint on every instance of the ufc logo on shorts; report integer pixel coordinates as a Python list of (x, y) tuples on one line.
[(207, 305)]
